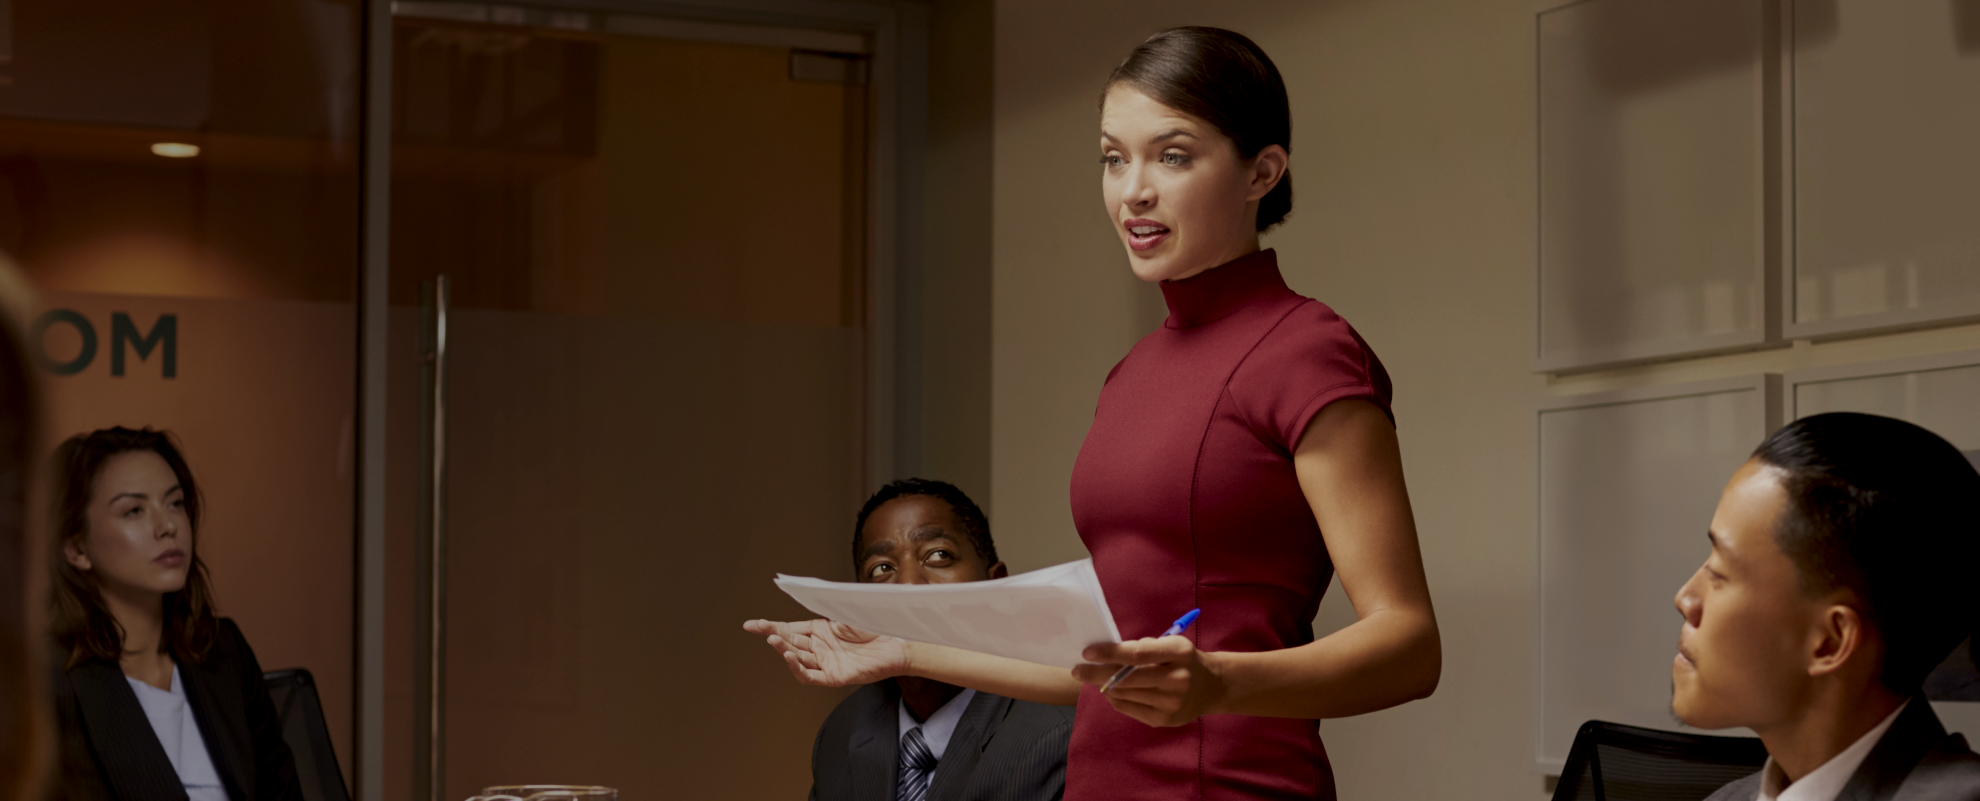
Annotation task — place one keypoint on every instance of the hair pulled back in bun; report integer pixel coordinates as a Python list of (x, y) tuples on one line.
[(1224, 79)]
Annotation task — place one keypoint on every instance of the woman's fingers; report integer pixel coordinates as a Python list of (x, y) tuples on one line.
[(784, 646), (1156, 692), (1151, 715), (801, 651), (806, 658), (803, 673), (1145, 651), (787, 630), (782, 635), (1157, 678), (797, 668), (768, 627), (1094, 674), (1159, 700), (1157, 686), (830, 654), (816, 651)]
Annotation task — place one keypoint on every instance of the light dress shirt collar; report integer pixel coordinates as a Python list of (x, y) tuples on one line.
[(1826, 782), (178, 733), (939, 727)]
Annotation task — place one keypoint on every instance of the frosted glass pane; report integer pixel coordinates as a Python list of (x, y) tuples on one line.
[(1941, 400), (1626, 495), (1651, 166), (1887, 180), (587, 451), (636, 370)]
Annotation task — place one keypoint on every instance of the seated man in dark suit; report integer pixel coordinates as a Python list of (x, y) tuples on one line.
[(1842, 571), (908, 738)]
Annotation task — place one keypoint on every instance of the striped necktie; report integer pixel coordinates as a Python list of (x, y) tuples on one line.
[(917, 767)]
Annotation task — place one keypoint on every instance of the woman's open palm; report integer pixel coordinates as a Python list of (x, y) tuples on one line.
[(830, 654)]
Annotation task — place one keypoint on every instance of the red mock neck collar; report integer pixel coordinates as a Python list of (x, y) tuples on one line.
[(1216, 293)]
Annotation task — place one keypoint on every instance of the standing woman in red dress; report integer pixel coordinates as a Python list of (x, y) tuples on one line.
[(1240, 455)]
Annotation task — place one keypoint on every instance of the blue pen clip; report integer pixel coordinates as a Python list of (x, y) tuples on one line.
[(1181, 625)]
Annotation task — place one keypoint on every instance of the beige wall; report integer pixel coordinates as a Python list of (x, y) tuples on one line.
[(955, 290), (1413, 148)]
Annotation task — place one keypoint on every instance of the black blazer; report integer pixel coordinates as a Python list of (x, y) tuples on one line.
[(110, 752), (1002, 750)]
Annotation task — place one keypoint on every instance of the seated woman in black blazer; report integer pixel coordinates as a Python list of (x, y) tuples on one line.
[(156, 698)]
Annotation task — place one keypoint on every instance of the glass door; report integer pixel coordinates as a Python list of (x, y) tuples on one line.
[(178, 182), (655, 246)]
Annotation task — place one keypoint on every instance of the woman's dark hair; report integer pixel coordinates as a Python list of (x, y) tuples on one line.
[(81, 623), (975, 525), (1224, 79), (1890, 511)]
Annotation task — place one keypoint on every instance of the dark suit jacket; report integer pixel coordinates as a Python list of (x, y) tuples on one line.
[(1916, 761), (110, 752), (1002, 750)]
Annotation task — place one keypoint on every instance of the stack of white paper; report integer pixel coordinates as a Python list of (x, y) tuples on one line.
[(1045, 616)]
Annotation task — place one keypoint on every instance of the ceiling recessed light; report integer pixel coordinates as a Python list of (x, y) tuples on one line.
[(175, 150)]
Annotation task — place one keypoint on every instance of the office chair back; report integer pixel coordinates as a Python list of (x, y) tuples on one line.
[(294, 693), (1613, 762)]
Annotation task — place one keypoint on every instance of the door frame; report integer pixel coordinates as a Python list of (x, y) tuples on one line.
[(897, 36)]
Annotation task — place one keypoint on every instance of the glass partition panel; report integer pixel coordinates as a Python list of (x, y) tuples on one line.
[(1942, 400), (656, 252), (1627, 486), (1651, 162), (178, 180), (1939, 395), (1884, 166)]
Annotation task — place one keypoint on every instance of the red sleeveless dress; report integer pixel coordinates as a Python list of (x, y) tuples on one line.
[(1184, 492)]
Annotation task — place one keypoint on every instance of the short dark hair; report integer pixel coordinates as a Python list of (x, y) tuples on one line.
[(1226, 80), (1888, 510), (975, 525), (82, 626)]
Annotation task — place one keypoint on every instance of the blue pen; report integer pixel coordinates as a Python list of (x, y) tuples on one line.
[(1180, 625)]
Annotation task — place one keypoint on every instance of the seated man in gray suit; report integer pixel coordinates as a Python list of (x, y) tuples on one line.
[(908, 738), (1843, 566)]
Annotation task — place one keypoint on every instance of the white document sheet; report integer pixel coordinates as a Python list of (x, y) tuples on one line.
[(1045, 616)]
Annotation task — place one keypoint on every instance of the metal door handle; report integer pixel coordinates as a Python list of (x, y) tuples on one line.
[(429, 693)]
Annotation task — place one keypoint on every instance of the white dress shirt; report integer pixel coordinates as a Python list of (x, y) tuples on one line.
[(939, 727), (178, 731), (1826, 782)]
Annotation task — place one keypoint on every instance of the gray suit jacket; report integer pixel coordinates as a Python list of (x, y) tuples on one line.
[(1002, 750), (1916, 761)]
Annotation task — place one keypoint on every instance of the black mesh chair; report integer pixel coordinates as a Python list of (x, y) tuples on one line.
[(294, 693), (1613, 762)]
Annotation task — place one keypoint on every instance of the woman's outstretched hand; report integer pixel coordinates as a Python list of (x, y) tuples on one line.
[(830, 654), (1175, 683)]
